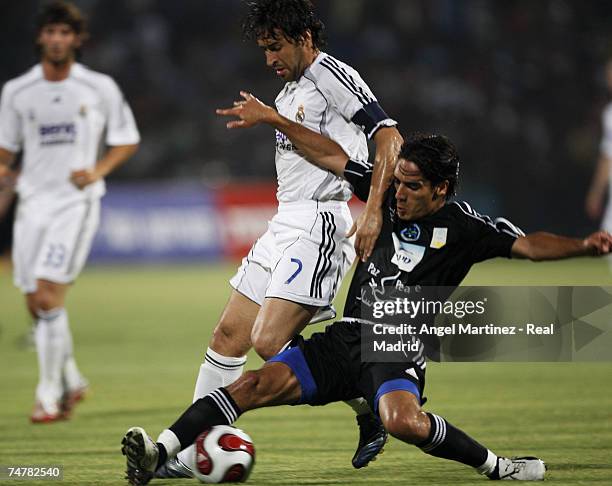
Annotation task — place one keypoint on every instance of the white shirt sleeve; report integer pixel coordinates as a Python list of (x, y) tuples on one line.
[(11, 129), (121, 127), (352, 97), (606, 141)]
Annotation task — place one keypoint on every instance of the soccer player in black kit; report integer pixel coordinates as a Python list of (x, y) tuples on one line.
[(444, 240)]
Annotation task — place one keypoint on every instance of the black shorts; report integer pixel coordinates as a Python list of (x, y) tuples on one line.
[(329, 368)]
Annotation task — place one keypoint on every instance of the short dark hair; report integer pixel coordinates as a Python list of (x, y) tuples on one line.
[(293, 17), (436, 158), (61, 12)]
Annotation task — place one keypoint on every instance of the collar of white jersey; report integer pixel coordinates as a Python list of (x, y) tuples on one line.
[(317, 60), (75, 70), (293, 84)]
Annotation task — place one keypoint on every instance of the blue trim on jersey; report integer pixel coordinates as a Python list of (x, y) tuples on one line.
[(395, 385), (294, 358)]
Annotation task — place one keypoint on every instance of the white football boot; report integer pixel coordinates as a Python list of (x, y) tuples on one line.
[(521, 468), (141, 454)]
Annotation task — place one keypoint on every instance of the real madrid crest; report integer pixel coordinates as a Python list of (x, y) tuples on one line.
[(300, 115), (83, 110)]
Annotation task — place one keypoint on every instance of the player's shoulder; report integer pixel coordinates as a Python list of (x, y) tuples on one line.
[(463, 210), (23, 81), (326, 69), (94, 79)]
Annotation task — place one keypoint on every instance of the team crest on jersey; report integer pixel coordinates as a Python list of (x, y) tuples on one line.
[(83, 110), (438, 239), (300, 116), (411, 233)]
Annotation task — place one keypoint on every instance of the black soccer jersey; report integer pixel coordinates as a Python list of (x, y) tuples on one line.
[(437, 250)]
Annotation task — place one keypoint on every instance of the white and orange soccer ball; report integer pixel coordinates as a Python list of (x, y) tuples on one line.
[(223, 454)]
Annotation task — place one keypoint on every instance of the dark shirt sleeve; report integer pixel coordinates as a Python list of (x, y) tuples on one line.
[(489, 238), (359, 175)]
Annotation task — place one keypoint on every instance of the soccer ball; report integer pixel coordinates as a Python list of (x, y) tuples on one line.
[(223, 454)]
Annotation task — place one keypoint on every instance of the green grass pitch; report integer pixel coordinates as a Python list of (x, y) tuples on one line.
[(140, 336)]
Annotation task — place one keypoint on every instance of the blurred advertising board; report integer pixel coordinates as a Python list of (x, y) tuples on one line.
[(172, 222), (157, 222)]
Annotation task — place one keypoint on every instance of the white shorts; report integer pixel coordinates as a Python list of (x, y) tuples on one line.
[(302, 257), (52, 243)]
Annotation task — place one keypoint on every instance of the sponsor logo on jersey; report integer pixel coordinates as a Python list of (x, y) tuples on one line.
[(411, 233), (300, 116), (57, 133), (283, 143), (407, 255), (438, 239)]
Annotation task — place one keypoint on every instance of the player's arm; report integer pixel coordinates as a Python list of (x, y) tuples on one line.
[(595, 196), (114, 157), (6, 160), (11, 133), (368, 225), (318, 149), (547, 246)]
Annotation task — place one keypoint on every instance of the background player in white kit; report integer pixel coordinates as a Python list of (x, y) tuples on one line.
[(57, 113), (296, 267), (602, 180)]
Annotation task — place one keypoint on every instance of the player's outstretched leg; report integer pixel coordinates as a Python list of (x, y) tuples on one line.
[(274, 384), (403, 417)]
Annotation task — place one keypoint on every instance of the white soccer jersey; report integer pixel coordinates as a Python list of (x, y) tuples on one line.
[(59, 126), (329, 98), (606, 150)]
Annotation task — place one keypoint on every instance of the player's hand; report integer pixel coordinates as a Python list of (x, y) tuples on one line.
[(84, 177), (250, 111), (366, 230), (599, 243)]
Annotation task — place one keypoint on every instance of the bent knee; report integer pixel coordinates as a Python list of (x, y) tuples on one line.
[(413, 428), (230, 339), (265, 345), (43, 301)]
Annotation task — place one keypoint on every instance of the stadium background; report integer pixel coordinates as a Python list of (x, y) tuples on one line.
[(519, 87)]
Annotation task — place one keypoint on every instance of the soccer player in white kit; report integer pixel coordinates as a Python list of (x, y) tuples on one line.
[(296, 267), (602, 179), (57, 113)]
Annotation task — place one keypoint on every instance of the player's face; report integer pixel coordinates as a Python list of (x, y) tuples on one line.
[(415, 196), (58, 43), (287, 58)]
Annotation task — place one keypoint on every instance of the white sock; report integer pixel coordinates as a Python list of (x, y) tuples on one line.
[(489, 465), (50, 346), (359, 405), (70, 372), (170, 442), (216, 371)]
